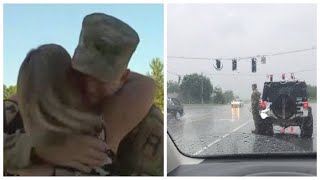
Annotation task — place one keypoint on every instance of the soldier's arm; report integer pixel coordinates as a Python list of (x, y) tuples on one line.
[(17, 146), (16, 151), (257, 96), (141, 151), (127, 108)]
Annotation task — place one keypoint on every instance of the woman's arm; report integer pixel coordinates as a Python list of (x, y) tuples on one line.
[(77, 151), (127, 108)]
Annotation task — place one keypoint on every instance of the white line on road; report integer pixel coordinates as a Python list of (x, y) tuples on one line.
[(219, 139), (226, 119), (236, 129)]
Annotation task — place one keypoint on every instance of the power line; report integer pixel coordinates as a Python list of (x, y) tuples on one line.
[(240, 74), (234, 74), (238, 58), (289, 52), (174, 73)]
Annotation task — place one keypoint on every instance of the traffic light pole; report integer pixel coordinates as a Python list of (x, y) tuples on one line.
[(201, 88)]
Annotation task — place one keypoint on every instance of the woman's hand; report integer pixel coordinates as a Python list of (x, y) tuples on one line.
[(77, 151)]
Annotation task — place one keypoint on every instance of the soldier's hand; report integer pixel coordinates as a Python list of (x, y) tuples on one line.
[(77, 151)]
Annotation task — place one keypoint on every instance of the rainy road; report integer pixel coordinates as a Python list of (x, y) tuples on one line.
[(220, 130)]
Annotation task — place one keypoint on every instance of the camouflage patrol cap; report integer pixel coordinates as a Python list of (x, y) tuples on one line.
[(105, 47)]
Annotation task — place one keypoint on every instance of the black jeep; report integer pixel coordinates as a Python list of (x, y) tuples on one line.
[(174, 107), (286, 104)]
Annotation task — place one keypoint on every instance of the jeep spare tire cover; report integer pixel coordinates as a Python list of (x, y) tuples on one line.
[(284, 106)]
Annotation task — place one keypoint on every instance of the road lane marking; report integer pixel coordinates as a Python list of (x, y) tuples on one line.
[(225, 135), (236, 129), (219, 139), (226, 120)]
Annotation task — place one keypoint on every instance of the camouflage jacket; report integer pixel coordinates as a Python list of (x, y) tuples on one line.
[(139, 153), (255, 101)]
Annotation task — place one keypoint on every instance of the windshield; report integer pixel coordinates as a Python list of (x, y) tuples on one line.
[(244, 77)]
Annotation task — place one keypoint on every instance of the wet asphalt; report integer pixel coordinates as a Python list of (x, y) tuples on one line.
[(221, 130)]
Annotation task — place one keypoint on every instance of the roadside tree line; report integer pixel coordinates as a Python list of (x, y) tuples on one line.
[(196, 88)]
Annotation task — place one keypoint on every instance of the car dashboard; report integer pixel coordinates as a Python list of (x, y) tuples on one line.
[(255, 165), (258, 167)]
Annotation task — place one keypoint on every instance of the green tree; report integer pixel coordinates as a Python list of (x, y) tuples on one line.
[(173, 87), (228, 96), (9, 91), (312, 92), (157, 74), (5, 93), (194, 86), (218, 97)]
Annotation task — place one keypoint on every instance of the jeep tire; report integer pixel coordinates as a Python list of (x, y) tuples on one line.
[(306, 126), (265, 126)]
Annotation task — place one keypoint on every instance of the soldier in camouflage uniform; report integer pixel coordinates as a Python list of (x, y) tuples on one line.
[(105, 47), (255, 106)]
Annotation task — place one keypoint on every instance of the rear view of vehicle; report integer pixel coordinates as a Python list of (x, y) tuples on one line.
[(175, 108), (286, 104)]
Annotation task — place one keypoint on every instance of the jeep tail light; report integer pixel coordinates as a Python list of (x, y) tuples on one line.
[(305, 105), (263, 105)]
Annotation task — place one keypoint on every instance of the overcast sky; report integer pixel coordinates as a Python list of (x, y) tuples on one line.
[(215, 31)]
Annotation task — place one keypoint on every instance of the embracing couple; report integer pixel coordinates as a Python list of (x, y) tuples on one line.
[(89, 114)]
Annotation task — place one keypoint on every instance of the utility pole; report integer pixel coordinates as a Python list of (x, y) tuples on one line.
[(201, 88)]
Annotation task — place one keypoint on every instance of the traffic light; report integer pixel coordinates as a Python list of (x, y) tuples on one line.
[(254, 65), (263, 60), (218, 63), (234, 64)]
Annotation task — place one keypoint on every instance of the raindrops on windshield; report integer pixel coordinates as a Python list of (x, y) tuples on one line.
[(234, 88)]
